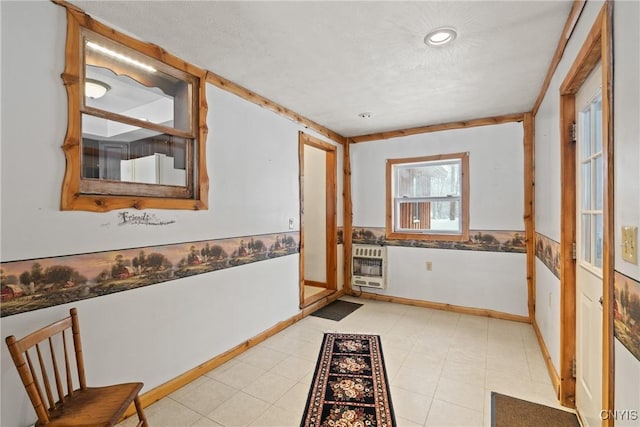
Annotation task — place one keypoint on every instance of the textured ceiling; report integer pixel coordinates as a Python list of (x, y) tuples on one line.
[(330, 61)]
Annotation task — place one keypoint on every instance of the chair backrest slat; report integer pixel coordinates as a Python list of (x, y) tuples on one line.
[(35, 386), (67, 367), (56, 372), (77, 344), (45, 378)]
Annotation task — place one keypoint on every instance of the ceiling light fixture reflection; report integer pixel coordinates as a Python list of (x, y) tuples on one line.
[(440, 36), (120, 57), (95, 89)]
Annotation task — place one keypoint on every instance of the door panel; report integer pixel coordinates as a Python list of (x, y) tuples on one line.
[(110, 156), (589, 196)]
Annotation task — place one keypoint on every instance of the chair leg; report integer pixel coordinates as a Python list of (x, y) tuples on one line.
[(141, 416)]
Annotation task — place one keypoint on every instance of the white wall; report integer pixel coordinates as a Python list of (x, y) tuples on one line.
[(158, 332), (315, 217), (489, 280), (626, 85), (548, 310)]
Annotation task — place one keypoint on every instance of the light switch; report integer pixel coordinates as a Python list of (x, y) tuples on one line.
[(630, 244)]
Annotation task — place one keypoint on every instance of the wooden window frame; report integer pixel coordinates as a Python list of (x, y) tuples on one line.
[(79, 193), (463, 235)]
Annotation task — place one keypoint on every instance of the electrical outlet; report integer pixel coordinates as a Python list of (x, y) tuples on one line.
[(429, 265), (630, 244)]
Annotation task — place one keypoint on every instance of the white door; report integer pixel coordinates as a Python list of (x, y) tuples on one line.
[(589, 204)]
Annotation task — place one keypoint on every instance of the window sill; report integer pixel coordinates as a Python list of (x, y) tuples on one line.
[(391, 235)]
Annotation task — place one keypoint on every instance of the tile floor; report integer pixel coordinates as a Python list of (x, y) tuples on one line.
[(442, 367)]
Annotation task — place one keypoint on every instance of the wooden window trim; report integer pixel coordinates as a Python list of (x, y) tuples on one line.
[(74, 192), (464, 200)]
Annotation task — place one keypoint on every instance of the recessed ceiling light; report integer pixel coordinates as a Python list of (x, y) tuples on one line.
[(95, 89), (440, 36), (365, 115)]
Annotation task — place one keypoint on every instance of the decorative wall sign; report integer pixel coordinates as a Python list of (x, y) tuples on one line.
[(548, 251), (145, 218), (626, 312), (479, 240), (39, 283)]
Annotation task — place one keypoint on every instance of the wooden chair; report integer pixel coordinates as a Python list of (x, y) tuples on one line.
[(66, 405)]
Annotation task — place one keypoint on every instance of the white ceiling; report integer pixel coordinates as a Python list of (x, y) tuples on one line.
[(330, 61)]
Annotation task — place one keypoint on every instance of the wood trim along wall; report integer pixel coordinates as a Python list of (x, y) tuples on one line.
[(597, 48), (181, 380), (347, 217), (529, 209), (260, 100), (572, 20), (332, 219), (301, 216), (442, 306), (553, 375), (608, 357), (508, 118), (567, 263)]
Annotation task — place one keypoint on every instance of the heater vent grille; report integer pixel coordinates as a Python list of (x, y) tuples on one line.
[(369, 265)]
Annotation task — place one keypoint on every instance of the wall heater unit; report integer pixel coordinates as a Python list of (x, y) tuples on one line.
[(369, 266)]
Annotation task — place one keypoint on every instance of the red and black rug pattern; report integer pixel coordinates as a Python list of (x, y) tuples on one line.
[(349, 387)]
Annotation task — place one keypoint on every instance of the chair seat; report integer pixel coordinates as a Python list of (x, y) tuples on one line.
[(95, 406)]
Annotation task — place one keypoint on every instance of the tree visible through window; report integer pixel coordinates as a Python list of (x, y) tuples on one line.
[(428, 197)]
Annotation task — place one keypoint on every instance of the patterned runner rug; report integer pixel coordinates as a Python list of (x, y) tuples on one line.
[(350, 386)]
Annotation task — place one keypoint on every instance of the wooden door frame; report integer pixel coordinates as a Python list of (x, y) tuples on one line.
[(331, 210), (597, 48)]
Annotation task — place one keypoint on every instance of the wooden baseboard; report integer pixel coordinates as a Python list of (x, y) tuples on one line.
[(446, 307), (553, 374), (170, 386), (308, 301), (324, 300)]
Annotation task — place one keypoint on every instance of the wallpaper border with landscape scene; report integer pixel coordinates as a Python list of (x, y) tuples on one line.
[(548, 251), (479, 240), (39, 283), (626, 312)]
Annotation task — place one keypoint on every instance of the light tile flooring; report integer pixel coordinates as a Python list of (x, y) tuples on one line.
[(442, 367)]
